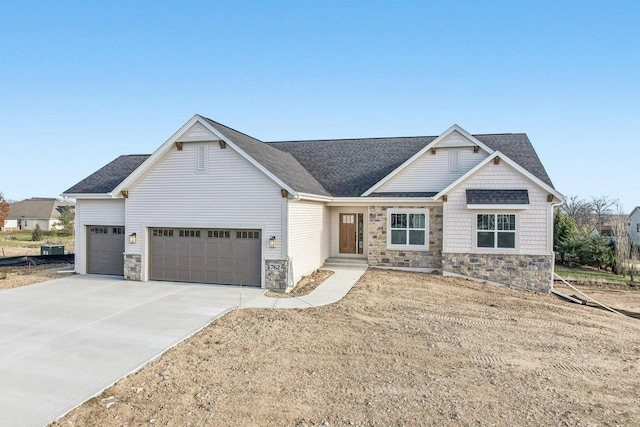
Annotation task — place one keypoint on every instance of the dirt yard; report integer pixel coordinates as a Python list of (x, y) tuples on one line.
[(400, 349), (11, 251), (13, 277)]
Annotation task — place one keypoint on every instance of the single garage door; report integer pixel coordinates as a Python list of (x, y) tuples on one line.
[(222, 256), (105, 250)]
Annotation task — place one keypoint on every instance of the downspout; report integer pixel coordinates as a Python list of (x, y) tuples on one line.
[(286, 233), (553, 253)]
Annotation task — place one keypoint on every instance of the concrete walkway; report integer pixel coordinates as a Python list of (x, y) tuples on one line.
[(64, 341), (331, 290)]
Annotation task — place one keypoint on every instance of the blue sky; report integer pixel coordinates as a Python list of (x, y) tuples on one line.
[(83, 82)]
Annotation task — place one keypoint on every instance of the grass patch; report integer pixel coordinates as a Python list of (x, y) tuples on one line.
[(22, 239), (591, 275)]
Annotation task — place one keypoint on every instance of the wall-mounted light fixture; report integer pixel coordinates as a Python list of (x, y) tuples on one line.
[(272, 242), (132, 238)]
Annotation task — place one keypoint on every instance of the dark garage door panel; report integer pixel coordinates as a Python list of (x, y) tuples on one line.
[(105, 249), (221, 256)]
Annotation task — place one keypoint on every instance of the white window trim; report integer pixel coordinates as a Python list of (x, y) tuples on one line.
[(408, 247), (516, 247)]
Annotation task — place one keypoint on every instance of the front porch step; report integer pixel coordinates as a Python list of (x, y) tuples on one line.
[(344, 262)]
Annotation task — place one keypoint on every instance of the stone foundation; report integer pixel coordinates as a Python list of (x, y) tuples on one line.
[(133, 267), (277, 275), (381, 256), (529, 272)]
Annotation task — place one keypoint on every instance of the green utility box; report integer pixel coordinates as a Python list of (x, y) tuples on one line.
[(52, 250)]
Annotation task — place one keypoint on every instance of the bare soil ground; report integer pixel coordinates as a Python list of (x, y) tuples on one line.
[(13, 277), (400, 349), (10, 251), (304, 286)]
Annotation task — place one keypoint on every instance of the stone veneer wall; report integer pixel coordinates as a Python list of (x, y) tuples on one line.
[(380, 256), (276, 275), (133, 267), (530, 272)]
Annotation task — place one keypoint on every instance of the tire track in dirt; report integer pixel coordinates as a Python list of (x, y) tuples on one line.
[(574, 368), (488, 360), (477, 323)]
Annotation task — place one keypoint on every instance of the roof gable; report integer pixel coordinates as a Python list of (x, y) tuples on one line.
[(198, 132), (501, 157), (455, 136)]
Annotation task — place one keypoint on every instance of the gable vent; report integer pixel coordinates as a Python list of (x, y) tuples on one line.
[(201, 158)]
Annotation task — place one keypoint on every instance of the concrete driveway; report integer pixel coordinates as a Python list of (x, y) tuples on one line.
[(64, 341)]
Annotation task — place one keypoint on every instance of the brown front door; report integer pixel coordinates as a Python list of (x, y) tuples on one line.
[(348, 234)]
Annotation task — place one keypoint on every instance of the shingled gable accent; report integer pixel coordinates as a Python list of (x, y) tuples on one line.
[(427, 149), (273, 163), (511, 163)]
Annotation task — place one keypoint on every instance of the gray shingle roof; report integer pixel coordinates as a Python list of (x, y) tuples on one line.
[(349, 167), (340, 167), (497, 197), (519, 149), (107, 178), (280, 163), (37, 208)]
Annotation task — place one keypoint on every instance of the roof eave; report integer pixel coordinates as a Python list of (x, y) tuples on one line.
[(90, 195)]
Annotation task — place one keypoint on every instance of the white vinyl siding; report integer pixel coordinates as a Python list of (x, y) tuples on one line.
[(431, 172), (309, 236), (95, 212), (232, 194), (532, 230), (634, 226)]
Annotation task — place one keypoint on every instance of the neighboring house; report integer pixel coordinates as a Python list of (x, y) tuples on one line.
[(214, 205), (26, 214), (633, 224)]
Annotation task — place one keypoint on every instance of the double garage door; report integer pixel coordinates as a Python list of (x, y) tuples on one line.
[(223, 256)]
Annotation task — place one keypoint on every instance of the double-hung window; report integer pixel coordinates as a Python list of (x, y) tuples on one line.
[(496, 231), (408, 229)]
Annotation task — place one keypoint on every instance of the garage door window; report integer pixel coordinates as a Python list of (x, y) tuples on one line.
[(189, 233), (247, 234), (99, 230), (158, 232), (219, 234), (117, 230)]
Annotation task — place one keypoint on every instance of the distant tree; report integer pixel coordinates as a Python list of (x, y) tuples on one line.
[(602, 210), (4, 210), (564, 229), (598, 252), (37, 234), (67, 218), (579, 211), (622, 244)]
